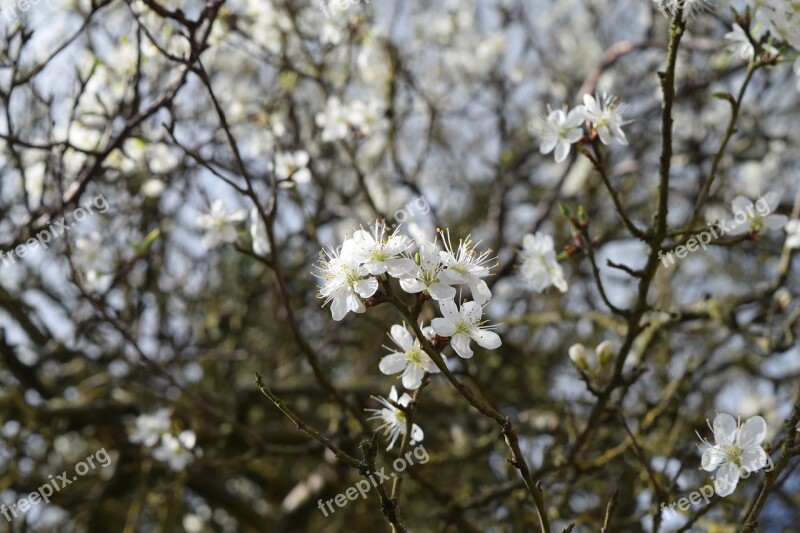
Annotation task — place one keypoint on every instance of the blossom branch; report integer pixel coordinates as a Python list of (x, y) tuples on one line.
[(512, 441)]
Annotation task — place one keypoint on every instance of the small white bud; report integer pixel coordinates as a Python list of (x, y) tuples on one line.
[(577, 353), (604, 352)]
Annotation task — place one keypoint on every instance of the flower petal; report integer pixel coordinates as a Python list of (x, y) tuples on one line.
[(753, 432), (754, 459), (775, 221), (741, 203), (412, 378), (402, 267), (712, 459), (562, 150), (480, 290), (414, 286), (452, 277), (449, 310), (460, 343), (727, 479), (366, 287), (725, 428), (339, 307), (393, 363), (402, 337), (472, 312), (487, 339), (443, 326), (416, 434), (440, 291)]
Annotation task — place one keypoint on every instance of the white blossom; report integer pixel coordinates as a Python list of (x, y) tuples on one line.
[(176, 451), (606, 116), (781, 18), (379, 252), (220, 225), (411, 360), (330, 33), (292, 167), (464, 325), (736, 448), (333, 122), (540, 268), (148, 428), (560, 131), (426, 275), (394, 419), (466, 265), (364, 116), (740, 44), (578, 356), (756, 217), (345, 282)]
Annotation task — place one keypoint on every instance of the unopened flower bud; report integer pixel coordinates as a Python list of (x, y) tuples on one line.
[(583, 218), (577, 353), (604, 352)]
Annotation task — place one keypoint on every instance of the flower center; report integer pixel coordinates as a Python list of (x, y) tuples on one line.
[(733, 453), (352, 277), (428, 277), (378, 255), (400, 415), (460, 268), (463, 326), (414, 355)]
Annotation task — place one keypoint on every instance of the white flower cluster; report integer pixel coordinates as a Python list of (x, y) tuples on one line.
[(337, 120), (352, 274), (175, 450), (562, 128), (782, 19), (351, 277), (348, 275)]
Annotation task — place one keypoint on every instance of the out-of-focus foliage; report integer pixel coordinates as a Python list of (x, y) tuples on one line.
[(417, 112)]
